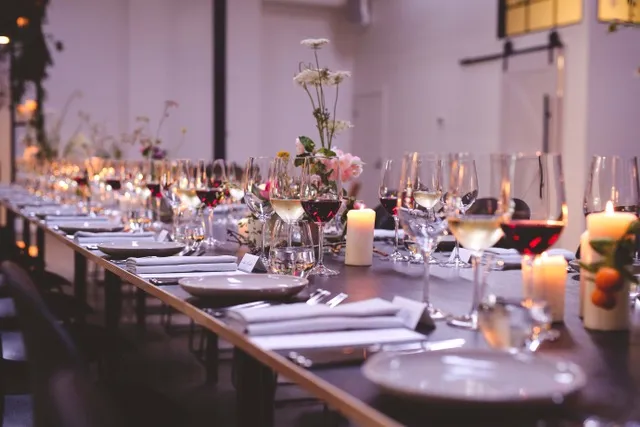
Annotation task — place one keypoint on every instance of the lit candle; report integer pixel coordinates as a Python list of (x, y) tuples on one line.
[(549, 281), (360, 225), (586, 255), (606, 309)]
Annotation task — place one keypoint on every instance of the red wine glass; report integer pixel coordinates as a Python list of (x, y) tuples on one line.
[(211, 189), (153, 170), (388, 193), (538, 218), (321, 198)]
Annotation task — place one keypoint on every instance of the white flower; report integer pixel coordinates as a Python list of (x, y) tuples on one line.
[(299, 147), (314, 43), (337, 77), (312, 77), (337, 126)]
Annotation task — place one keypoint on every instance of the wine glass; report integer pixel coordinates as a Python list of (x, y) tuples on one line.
[(467, 188), (152, 172), (291, 251), (321, 197), (210, 186), (478, 228), (388, 193), (256, 194), (612, 178), (421, 225), (169, 187), (284, 193), (539, 216)]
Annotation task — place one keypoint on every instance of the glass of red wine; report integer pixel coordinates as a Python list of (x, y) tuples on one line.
[(539, 215), (321, 198), (211, 189), (152, 173), (388, 193)]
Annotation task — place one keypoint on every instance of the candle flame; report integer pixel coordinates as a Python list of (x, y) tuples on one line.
[(609, 208)]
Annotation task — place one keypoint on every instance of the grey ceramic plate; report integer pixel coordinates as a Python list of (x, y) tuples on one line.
[(137, 249)]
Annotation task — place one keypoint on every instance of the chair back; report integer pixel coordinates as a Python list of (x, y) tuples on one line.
[(64, 394)]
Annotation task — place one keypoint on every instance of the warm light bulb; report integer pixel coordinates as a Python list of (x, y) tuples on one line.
[(22, 21), (4, 40), (609, 208)]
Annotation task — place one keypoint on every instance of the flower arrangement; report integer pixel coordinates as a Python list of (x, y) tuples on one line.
[(318, 82), (150, 145)]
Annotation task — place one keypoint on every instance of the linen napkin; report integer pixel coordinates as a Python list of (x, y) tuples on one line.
[(381, 234), (297, 318), (181, 264), (62, 219), (88, 238), (54, 211)]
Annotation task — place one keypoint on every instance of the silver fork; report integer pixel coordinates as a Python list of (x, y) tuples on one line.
[(315, 297), (336, 300)]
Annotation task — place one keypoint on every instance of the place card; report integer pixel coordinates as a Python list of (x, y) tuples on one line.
[(410, 311), (251, 264), (465, 255), (162, 236)]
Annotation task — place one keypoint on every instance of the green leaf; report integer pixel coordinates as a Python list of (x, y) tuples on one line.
[(307, 143), (326, 152), (593, 267), (627, 275), (634, 228), (603, 246)]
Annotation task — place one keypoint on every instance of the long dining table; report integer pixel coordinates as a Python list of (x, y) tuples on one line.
[(610, 360)]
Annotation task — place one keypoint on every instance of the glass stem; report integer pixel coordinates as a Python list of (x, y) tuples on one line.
[(396, 222), (457, 257), (528, 285), (320, 243), (476, 262), (263, 242), (289, 234), (426, 279), (210, 223)]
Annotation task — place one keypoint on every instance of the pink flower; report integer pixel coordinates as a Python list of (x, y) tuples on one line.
[(350, 166), (299, 147)]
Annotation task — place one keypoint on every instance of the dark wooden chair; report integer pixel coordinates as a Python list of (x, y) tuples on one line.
[(64, 395)]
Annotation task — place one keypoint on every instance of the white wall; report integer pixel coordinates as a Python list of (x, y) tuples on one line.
[(128, 57)]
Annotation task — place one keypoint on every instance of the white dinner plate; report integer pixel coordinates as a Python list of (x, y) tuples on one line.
[(139, 248), (259, 286), (93, 227), (474, 376)]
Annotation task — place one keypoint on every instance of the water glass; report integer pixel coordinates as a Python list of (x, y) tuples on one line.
[(293, 257)]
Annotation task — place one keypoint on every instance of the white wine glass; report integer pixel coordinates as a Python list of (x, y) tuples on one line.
[(388, 193), (479, 229), (256, 194), (284, 191)]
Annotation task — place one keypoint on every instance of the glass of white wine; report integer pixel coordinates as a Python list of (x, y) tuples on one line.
[(480, 229), (284, 192)]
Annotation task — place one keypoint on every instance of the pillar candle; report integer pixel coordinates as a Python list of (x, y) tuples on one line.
[(549, 283), (360, 225), (611, 313)]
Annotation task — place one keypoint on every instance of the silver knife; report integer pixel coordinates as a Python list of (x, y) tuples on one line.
[(355, 354)]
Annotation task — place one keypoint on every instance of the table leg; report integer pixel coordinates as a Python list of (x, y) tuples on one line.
[(26, 237), (80, 280), (112, 301), (255, 386), (141, 309), (211, 358), (40, 242)]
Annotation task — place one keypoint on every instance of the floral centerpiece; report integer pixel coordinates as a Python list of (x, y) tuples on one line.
[(151, 144)]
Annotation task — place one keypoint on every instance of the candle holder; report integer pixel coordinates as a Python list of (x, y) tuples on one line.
[(608, 279)]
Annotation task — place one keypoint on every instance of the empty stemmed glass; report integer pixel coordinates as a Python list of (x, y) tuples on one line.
[(425, 228), (321, 196), (388, 193), (210, 185), (612, 178), (467, 188), (480, 228), (284, 192), (256, 194)]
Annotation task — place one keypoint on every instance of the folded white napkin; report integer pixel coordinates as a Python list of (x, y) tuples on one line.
[(50, 219), (88, 238), (301, 318), (54, 211), (181, 264)]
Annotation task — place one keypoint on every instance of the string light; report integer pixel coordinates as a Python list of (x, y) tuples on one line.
[(22, 21), (4, 40)]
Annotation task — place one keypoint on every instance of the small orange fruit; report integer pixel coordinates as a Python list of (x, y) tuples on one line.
[(603, 300), (608, 279)]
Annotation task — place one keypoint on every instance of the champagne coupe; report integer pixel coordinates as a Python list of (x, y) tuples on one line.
[(538, 218), (210, 185), (256, 194), (388, 193), (478, 228), (421, 225), (284, 192), (467, 188), (321, 196)]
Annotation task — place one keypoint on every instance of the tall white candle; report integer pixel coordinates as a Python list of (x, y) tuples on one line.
[(586, 255), (360, 225), (607, 310), (549, 283)]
